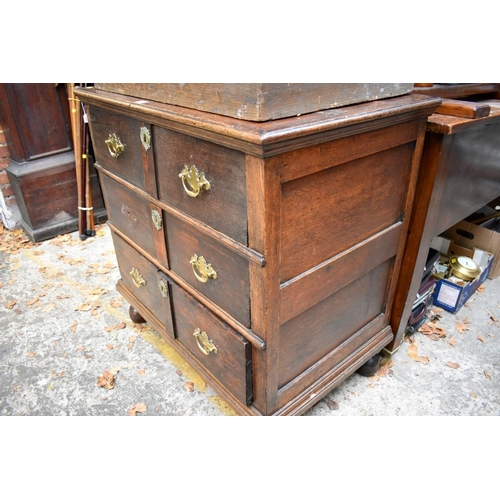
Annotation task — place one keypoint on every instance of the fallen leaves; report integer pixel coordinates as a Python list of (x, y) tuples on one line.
[(332, 405), (189, 386), (487, 374), (413, 353), (137, 408), (119, 326), (107, 379), (31, 354), (432, 330), (461, 328), (453, 365), (479, 337)]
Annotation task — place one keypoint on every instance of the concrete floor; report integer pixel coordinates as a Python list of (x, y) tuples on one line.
[(65, 333)]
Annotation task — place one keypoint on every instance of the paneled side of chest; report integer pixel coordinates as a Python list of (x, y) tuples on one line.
[(270, 268)]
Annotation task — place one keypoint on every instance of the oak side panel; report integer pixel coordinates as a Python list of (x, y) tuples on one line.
[(310, 336), (332, 210)]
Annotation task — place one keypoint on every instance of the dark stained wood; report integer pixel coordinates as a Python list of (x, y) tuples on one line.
[(35, 119), (223, 206), (317, 195), (310, 336), (230, 288), (46, 194), (298, 295), (249, 253), (458, 90), (275, 136), (129, 164), (149, 293), (232, 364), (467, 109), (459, 173), (248, 334), (326, 213), (259, 101), (131, 214)]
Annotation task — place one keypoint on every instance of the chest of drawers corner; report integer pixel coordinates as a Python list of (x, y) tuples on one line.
[(266, 254)]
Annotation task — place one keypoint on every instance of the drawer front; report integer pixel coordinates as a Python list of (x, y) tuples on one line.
[(210, 267), (135, 217), (203, 180), (145, 281), (221, 350), (116, 140)]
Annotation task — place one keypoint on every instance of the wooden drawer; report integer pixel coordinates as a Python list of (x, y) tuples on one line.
[(123, 132), (226, 282), (221, 201), (145, 281), (222, 351), (135, 217)]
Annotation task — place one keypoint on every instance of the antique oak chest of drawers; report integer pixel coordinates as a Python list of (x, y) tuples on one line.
[(266, 254)]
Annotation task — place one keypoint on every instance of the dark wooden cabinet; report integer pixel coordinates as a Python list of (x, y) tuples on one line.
[(267, 254), (35, 119)]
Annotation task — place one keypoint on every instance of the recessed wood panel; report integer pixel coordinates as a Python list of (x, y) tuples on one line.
[(130, 214), (311, 335), (224, 205), (145, 282), (128, 165), (231, 363), (230, 288), (328, 212)]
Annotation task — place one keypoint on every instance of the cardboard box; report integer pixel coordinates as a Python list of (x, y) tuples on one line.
[(451, 294), (470, 236)]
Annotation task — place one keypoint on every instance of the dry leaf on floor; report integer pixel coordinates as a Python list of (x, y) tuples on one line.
[(189, 386), (494, 318), (487, 374), (137, 408), (413, 353), (141, 372), (107, 380), (452, 365), (461, 328), (480, 338), (480, 289), (332, 405), (385, 369), (73, 326), (452, 341), (466, 321), (119, 326), (31, 354), (11, 304)]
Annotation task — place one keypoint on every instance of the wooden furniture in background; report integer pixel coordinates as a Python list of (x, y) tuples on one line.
[(267, 254), (459, 174), (36, 123)]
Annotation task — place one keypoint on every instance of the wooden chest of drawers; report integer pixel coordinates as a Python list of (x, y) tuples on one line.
[(266, 253)]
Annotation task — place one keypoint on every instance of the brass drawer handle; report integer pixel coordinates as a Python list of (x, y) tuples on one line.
[(115, 146), (204, 343), (137, 278), (145, 138), (156, 218), (196, 181), (202, 269)]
